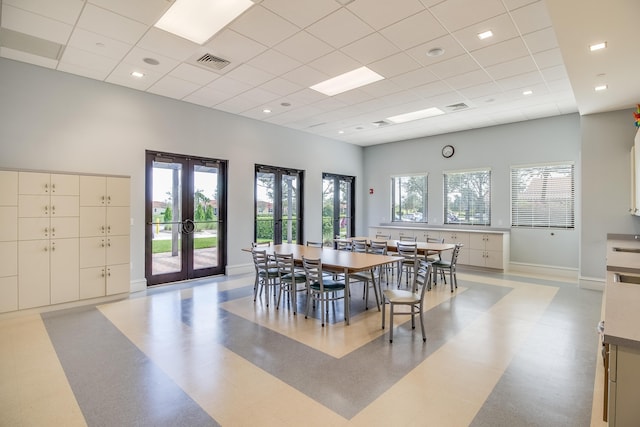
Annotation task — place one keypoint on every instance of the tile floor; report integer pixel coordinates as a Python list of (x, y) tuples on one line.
[(504, 350)]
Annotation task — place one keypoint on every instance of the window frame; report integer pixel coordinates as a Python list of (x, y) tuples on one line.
[(485, 220), (425, 198), (537, 220)]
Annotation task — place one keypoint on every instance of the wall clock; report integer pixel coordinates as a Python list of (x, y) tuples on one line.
[(447, 151)]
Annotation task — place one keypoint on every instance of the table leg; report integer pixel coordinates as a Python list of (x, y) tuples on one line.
[(375, 287), (347, 300)]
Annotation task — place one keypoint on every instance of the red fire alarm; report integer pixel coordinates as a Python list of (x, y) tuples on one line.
[(371, 191)]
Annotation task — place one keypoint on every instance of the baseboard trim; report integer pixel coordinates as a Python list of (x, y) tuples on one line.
[(138, 285), (544, 270), (237, 269), (592, 283)]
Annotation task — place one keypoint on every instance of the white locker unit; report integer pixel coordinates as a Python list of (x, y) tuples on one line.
[(8, 241), (487, 250)]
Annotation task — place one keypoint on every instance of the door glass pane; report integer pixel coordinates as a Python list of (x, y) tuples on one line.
[(327, 211), (264, 206), (345, 209), (167, 215), (289, 208), (205, 217)]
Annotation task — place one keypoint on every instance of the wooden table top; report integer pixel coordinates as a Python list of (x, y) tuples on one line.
[(422, 247)]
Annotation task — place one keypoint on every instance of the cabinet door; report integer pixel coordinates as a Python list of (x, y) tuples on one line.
[(33, 183), (493, 242), (118, 279), (93, 190), (8, 188), (118, 192), (118, 250), (494, 259), (477, 241), (65, 206), (9, 257), (92, 252), (64, 270), (118, 220), (406, 233), (65, 185), (33, 274), (93, 282), (477, 257), (93, 221), (33, 206), (64, 228), (8, 294), (8, 223), (33, 228)]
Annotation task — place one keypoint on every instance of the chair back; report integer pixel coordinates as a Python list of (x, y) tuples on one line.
[(343, 246), (408, 239), (285, 264), (422, 278), (378, 247), (454, 254), (435, 240), (260, 244), (380, 236), (260, 260), (407, 250), (314, 244), (313, 271), (359, 245)]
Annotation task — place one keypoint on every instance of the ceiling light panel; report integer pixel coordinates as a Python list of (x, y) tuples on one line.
[(416, 115), (199, 20), (485, 35), (350, 80), (598, 46)]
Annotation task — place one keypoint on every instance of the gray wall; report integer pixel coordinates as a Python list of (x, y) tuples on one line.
[(606, 185), (59, 122), (554, 139)]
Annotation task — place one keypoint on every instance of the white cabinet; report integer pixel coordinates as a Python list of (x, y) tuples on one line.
[(104, 236), (453, 237), (8, 241), (41, 237), (488, 250)]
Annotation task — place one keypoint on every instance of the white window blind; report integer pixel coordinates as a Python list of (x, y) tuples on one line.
[(467, 197), (543, 196)]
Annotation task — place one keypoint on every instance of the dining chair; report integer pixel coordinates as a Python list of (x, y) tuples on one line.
[(289, 278), (434, 256), (323, 289), (266, 273), (413, 298), (449, 265), (381, 236), (314, 244), (408, 239), (260, 244), (409, 263), (361, 246), (380, 247)]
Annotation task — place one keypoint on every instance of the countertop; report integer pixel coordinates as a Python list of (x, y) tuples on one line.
[(622, 314)]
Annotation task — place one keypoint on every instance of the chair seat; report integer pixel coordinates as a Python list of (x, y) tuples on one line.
[(298, 277), (398, 296), (442, 263), (271, 272), (328, 285)]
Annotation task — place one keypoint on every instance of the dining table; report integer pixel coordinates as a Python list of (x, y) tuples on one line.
[(337, 261), (424, 248)]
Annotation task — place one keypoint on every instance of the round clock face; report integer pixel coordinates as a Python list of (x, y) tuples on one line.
[(447, 151)]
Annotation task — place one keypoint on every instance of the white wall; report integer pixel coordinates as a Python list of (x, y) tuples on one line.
[(554, 139), (59, 122)]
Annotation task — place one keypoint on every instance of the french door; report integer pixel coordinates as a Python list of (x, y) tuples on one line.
[(278, 205), (185, 235), (338, 207)]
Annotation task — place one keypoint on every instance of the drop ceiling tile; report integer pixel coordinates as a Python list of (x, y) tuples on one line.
[(501, 26), (259, 96), (252, 76), (260, 24), (35, 25), (554, 73), (233, 47), (540, 40), (512, 68), (17, 55), (414, 78), (304, 47), (520, 81), (380, 88), (193, 74), (500, 52), (453, 67), (145, 11), (173, 87), (121, 75), (532, 17), (228, 86), (353, 97), (304, 97), (197, 100), (457, 14), (449, 44), (98, 44), (274, 62), (515, 4), (305, 76), (370, 49), (109, 24), (167, 44), (281, 86), (548, 58), (432, 89), (480, 91), (235, 105), (465, 80), (382, 14), (395, 65), (301, 12), (207, 96), (89, 60), (66, 11), (415, 30), (83, 71), (137, 56), (340, 28), (334, 64)]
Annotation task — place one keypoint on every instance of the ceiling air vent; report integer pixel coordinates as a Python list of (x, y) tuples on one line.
[(457, 107), (212, 61), (381, 123)]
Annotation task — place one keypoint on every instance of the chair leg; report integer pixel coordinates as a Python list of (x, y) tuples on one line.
[(390, 322), (451, 276), (383, 311), (424, 336)]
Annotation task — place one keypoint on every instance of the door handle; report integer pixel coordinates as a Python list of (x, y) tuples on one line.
[(188, 226)]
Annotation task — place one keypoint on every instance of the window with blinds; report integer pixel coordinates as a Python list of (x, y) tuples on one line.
[(467, 197), (409, 198), (543, 196)]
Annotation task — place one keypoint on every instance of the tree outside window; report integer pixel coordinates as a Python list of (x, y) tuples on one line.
[(409, 198), (467, 197)]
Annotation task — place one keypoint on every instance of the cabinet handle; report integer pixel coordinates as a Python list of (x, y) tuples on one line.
[(108, 229), (102, 199), (102, 229), (53, 246), (102, 272), (108, 200), (108, 272), (109, 243), (46, 188), (53, 210), (53, 188), (46, 249), (102, 243), (46, 231), (53, 231)]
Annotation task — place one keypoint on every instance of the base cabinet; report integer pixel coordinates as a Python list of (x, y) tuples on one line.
[(624, 377)]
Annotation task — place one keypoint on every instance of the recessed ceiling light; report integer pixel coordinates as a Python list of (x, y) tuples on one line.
[(340, 132), (266, 111), (597, 46), (416, 115), (137, 74), (199, 20), (350, 80), (436, 51), (485, 34), (527, 92), (600, 87)]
